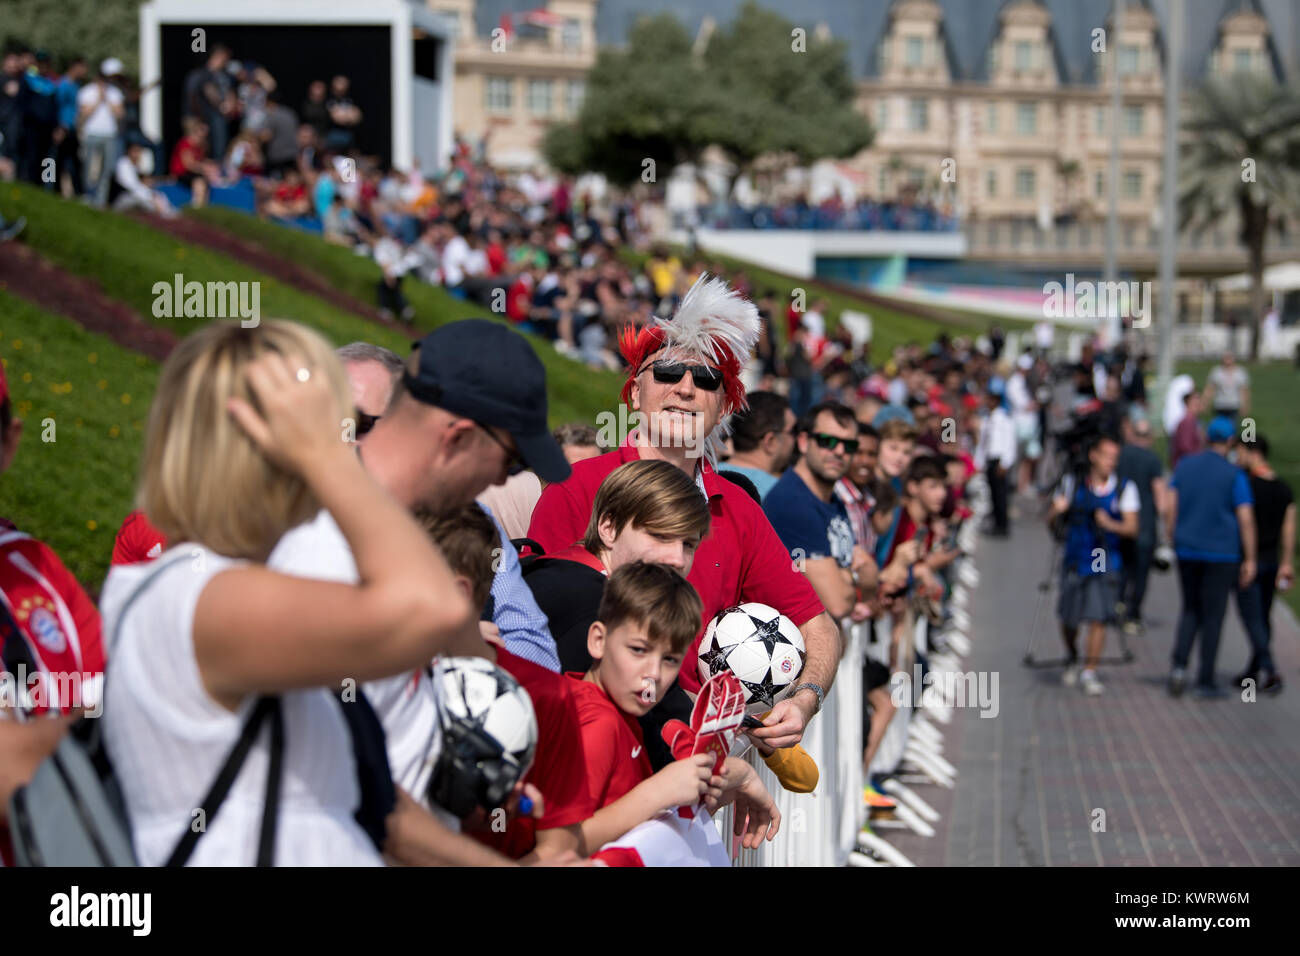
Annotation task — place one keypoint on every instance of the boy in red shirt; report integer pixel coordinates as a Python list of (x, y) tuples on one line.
[(468, 540), (648, 616)]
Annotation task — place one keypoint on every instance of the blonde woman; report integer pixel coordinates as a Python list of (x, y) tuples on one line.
[(244, 443)]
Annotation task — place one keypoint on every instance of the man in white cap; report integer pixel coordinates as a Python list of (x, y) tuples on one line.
[(101, 107)]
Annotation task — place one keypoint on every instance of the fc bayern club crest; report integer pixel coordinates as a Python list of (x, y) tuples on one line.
[(45, 628)]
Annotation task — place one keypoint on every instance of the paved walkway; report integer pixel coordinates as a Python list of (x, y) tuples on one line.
[(1180, 782)]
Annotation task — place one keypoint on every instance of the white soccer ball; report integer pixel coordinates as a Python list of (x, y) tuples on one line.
[(489, 733), (758, 644)]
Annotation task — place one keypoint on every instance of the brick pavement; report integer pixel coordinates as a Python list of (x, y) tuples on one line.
[(1181, 782)]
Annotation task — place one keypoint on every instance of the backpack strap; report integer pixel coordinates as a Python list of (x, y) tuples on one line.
[(266, 706)]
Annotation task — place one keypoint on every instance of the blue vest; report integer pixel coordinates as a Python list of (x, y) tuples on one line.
[(1083, 537)]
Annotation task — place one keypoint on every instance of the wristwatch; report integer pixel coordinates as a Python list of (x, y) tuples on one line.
[(816, 689)]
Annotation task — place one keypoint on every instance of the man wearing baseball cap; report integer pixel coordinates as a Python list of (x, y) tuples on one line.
[(1211, 520), (469, 410)]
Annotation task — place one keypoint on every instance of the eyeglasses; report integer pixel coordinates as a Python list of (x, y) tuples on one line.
[(831, 442), (670, 373), (514, 463), (365, 422)]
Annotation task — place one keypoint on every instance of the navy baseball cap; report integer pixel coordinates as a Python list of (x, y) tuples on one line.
[(1222, 428), (482, 370)]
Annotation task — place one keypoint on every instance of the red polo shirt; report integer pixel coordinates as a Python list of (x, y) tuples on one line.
[(741, 560)]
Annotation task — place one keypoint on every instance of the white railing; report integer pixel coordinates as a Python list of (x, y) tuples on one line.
[(821, 828)]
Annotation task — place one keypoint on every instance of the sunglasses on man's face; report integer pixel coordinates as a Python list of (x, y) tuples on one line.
[(365, 422), (831, 442), (670, 373), (514, 463)]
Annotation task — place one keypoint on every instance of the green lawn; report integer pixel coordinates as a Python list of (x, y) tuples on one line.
[(127, 257), (83, 401), (1275, 387)]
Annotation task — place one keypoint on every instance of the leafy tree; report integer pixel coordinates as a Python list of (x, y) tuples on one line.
[(95, 29), (765, 96), (643, 102), (1243, 157)]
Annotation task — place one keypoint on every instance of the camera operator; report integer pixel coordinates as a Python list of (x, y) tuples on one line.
[(1098, 509)]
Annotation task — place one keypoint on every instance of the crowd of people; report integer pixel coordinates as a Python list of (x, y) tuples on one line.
[(450, 522), (903, 214)]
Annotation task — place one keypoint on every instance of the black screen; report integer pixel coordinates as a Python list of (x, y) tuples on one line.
[(294, 55)]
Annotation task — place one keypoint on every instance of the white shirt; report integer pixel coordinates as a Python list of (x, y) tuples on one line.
[(455, 255), (100, 121), (997, 440), (128, 177), (405, 703), (168, 738)]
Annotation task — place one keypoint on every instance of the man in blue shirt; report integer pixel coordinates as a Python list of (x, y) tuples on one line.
[(1212, 523), (763, 438), (810, 521), (67, 144)]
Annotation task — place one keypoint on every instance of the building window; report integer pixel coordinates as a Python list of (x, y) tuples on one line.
[(993, 118), (1024, 55), (571, 36), (913, 51), (1099, 185), (500, 94), (1243, 61), (574, 94), (1026, 180), (1132, 184), (882, 114), (990, 183), (1133, 120), (539, 97), (918, 114), (1027, 118), (1128, 60), (1099, 120)]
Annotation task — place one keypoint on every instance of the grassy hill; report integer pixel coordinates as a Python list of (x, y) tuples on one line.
[(126, 256), (83, 401)]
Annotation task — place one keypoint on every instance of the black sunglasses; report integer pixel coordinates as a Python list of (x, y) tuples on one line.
[(831, 442), (670, 373), (365, 422), (514, 463)]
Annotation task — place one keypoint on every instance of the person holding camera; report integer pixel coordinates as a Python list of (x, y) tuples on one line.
[(1098, 509)]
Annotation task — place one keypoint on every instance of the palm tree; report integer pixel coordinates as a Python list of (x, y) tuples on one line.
[(1244, 155)]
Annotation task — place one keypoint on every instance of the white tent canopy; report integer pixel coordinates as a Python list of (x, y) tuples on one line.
[(1283, 277)]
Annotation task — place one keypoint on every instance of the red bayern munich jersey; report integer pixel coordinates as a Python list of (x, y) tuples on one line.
[(58, 628), (559, 769), (611, 742), (740, 560), (137, 540)]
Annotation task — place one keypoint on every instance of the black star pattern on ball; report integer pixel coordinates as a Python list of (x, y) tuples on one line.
[(764, 692), (715, 659), (769, 632)]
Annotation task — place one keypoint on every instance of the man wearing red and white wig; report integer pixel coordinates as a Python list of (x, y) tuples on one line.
[(684, 380)]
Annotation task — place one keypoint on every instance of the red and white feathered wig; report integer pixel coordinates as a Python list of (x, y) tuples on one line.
[(714, 323)]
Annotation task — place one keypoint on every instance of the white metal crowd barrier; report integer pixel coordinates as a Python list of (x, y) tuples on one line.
[(824, 828)]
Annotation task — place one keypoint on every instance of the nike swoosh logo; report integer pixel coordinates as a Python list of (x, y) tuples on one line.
[(636, 752)]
